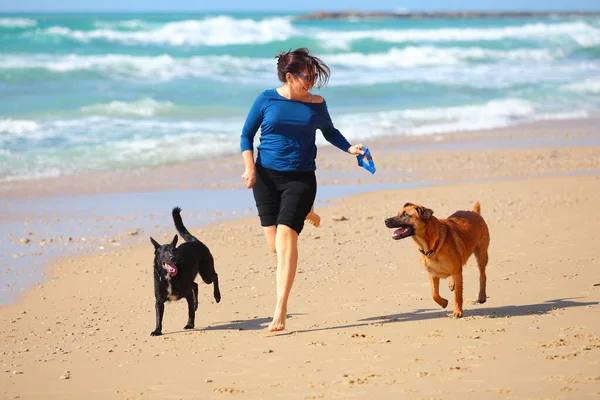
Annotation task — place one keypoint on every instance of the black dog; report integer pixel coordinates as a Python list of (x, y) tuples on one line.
[(175, 269)]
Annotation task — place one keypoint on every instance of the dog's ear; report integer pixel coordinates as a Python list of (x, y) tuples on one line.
[(156, 245), (425, 213), (174, 242), (408, 204)]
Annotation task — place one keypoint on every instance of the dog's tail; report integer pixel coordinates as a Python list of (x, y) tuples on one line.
[(188, 237), (476, 208)]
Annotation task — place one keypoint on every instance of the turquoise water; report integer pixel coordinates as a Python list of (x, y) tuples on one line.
[(82, 92)]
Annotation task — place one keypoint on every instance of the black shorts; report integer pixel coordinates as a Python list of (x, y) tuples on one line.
[(284, 197)]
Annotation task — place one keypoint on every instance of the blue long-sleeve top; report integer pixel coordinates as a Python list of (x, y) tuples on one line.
[(288, 132)]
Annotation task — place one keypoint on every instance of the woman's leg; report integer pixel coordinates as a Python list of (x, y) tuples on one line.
[(286, 243), (270, 232), (266, 196), (297, 197), (313, 218)]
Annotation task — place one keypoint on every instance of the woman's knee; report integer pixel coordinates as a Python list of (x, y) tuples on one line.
[(292, 227), (270, 233)]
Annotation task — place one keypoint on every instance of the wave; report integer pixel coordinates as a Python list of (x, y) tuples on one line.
[(395, 65), (147, 107), (126, 24), (108, 143), (226, 30), (17, 22), (441, 120), (157, 68), (480, 76), (91, 130), (591, 85), (429, 55), (580, 32), (212, 31), (101, 143), (16, 126)]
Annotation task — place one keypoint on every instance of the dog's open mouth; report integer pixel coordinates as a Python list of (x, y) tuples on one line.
[(403, 232), (170, 268)]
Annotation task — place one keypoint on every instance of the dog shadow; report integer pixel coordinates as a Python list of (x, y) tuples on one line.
[(493, 312), (427, 314), (254, 324)]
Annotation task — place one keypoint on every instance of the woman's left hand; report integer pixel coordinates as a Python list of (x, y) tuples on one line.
[(356, 149)]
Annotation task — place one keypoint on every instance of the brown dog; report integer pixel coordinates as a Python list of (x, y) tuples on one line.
[(445, 246)]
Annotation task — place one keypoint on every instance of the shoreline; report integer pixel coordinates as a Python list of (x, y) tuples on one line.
[(224, 171)]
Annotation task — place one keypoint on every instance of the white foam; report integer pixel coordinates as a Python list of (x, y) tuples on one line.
[(436, 120), (28, 174), (17, 22), (395, 65), (211, 31), (496, 75), (509, 108), (157, 68), (412, 56), (581, 32), (580, 114), (591, 85), (127, 24), (147, 107), (17, 126)]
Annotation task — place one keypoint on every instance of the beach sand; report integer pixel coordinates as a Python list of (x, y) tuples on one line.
[(361, 320)]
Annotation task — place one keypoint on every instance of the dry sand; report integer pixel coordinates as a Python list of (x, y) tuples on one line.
[(361, 321)]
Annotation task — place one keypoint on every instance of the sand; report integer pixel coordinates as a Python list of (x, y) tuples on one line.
[(361, 320)]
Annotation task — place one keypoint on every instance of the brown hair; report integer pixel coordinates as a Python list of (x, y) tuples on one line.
[(296, 61)]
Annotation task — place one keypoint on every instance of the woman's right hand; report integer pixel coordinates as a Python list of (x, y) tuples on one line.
[(249, 177), (356, 149)]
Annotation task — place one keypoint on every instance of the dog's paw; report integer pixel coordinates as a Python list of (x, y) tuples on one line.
[(442, 302), (481, 298), (156, 333), (456, 314), (188, 326)]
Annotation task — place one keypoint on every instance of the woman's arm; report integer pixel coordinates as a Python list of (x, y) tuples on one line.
[(249, 175), (253, 121), (335, 137)]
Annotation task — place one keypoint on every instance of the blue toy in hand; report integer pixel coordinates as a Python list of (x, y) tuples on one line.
[(369, 165)]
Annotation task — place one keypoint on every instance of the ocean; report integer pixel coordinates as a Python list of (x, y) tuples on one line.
[(97, 92)]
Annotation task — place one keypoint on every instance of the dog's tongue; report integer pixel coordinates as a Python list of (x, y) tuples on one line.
[(170, 268), (400, 233)]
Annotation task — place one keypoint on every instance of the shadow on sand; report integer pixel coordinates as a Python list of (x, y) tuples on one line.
[(416, 315), (494, 312)]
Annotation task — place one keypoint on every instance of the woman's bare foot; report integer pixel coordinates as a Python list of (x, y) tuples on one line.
[(278, 322), (313, 218)]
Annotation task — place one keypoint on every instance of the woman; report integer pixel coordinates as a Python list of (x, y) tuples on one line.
[(283, 177)]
